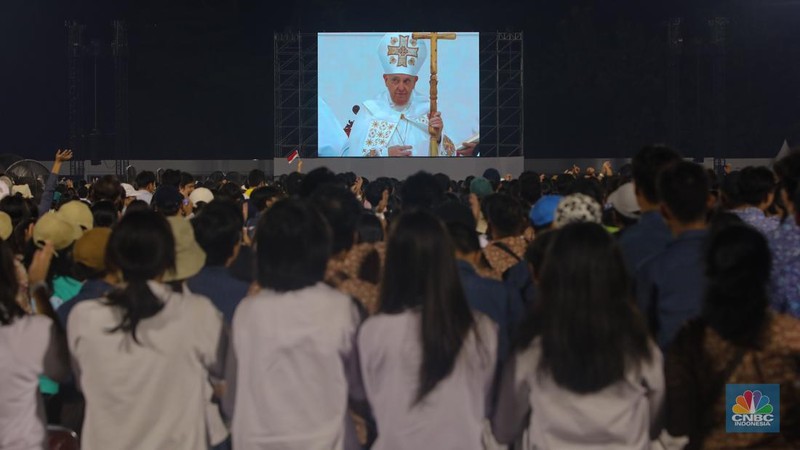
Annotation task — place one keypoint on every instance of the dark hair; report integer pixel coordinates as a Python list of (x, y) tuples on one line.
[(144, 178), (105, 214), (260, 196), (142, 247), (421, 190), (419, 240), (171, 177), (683, 187), (465, 238), (293, 183), (729, 189), (563, 182), (647, 164), (108, 188), (369, 228), (443, 180), (293, 244), (788, 171), (186, 178), (23, 213), (137, 205), (738, 264), (230, 192), (590, 330), (504, 215), (537, 250), (530, 187), (374, 191), (587, 186), (755, 185), (317, 178), (218, 228), (341, 209), (9, 287), (255, 177)]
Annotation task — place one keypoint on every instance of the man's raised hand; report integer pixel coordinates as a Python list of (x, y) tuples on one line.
[(400, 150)]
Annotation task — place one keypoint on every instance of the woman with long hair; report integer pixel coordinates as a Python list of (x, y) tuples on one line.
[(736, 340), (585, 372), (427, 360), (30, 346), (143, 353)]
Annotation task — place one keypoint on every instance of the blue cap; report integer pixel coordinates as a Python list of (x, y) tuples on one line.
[(544, 211)]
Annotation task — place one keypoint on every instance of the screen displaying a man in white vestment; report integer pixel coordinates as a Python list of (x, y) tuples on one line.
[(395, 119)]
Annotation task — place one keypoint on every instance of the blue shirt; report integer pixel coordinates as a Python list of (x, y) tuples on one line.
[(671, 285), (492, 298), (224, 291), (784, 242), (757, 219), (644, 239)]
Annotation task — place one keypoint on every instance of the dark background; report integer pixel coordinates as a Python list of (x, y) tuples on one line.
[(596, 72)]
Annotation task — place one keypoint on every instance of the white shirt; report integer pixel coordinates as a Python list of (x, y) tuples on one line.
[(295, 364), (152, 395), (28, 348), (381, 124), (451, 416)]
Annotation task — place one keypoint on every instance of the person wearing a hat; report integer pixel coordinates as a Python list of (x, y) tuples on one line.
[(77, 213), (543, 212), (624, 208), (396, 122)]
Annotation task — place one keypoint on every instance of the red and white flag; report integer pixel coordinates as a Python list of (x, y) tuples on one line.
[(292, 156)]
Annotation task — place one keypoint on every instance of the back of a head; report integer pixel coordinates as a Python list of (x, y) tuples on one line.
[(230, 192), (589, 327), (186, 179), (369, 228), (293, 244), (293, 183), (683, 188), (9, 287), (443, 180), (167, 200), (530, 187), (105, 214), (108, 188), (264, 195), (729, 188), (788, 171), (419, 240), (171, 177), (755, 185), (341, 209), (563, 183), (321, 176), (374, 191), (587, 186), (142, 248), (421, 190), (738, 264), (504, 215), (256, 178), (218, 229), (647, 164), (144, 178)]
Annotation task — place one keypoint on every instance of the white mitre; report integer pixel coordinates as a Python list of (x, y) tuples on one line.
[(400, 53)]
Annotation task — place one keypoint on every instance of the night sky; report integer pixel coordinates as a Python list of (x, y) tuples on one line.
[(200, 72)]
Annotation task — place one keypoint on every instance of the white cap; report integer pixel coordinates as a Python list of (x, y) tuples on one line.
[(201, 194), (624, 201), (22, 189), (400, 53), (129, 190)]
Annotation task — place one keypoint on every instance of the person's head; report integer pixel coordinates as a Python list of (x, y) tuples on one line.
[(504, 215), (167, 200), (341, 210), (577, 208), (256, 178), (421, 191), (376, 191), (460, 223), (218, 230), (321, 176), (171, 177), (9, 287), (400, 87), (757, 186), (369, 228), (265, 196), (23, 215), (729, 191), (186, 185), (788, 171), (137, 231), (137, 205), (145, 181), (536, 252), (230, 192), (646, 165), (443, 180), (105, 214), (89, 254), (590, 330), (418, 239), (530, 187), (293, 244), (738, 264), (108, 188), (683, 191), (543, 212)]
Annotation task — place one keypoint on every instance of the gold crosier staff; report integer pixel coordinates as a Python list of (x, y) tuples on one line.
[(434, 38)]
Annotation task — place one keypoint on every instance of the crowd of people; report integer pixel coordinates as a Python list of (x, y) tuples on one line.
[(588, 309)]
